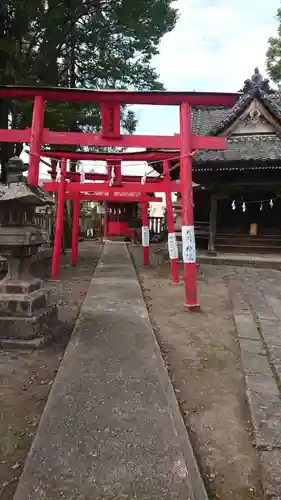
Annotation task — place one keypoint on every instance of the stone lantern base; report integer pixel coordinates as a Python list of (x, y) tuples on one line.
[(26, 317)]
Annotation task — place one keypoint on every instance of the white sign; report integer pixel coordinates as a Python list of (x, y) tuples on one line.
[(172, 246), (188, 245), (145, 236)]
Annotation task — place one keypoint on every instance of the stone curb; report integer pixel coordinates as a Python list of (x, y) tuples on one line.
[(262, 391)]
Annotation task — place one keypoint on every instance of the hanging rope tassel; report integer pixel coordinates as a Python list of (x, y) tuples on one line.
[(244, 207), (143, 179), (261, 206), (233, 205), (271, 203)]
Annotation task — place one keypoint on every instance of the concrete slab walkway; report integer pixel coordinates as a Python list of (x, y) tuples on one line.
[(112, 428)]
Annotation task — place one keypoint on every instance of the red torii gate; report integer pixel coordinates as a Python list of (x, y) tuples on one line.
[(127, 197), (110, 102), (64, 192), (115, 159)]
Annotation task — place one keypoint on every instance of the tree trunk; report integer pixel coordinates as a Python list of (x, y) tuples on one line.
[(6, 148)]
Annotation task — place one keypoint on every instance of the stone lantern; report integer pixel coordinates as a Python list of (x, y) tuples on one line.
[(25, 314)]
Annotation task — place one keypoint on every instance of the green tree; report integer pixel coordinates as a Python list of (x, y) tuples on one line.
[(273, 55), (16, 20), (79, 43)]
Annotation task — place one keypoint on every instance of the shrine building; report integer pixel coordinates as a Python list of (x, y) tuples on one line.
[(238, 204)]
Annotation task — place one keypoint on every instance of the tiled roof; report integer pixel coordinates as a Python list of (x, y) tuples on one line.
[(263, 148), (203, 119), (213, 121), (276, 97), (244, 148)]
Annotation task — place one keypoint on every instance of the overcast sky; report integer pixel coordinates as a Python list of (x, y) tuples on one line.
[(215, 46)]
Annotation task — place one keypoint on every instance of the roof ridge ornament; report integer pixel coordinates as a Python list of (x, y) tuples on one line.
[(257, 82)]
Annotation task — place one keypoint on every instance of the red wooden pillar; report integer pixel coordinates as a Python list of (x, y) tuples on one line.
[(59, 222), (105, 216), (75, 229), (36, 140), (118, 173), (187, 217), (172, 241), (145, 233)]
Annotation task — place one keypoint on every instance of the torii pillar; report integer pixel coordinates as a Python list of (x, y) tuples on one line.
[(187, 215), (36, 139)]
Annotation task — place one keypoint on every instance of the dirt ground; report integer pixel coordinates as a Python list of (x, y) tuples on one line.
[(202, 355), (26, 377)]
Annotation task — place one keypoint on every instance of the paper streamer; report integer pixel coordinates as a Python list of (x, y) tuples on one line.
[(188, 245), (173, 246)]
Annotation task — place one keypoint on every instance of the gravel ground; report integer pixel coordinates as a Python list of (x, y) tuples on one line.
[(26, 377), (202, 355)]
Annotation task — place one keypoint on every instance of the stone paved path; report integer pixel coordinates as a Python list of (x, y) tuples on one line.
[(256, 299)]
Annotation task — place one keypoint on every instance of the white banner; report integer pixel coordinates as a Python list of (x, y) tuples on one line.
[(145, 236), (188, 245), (173, 246)]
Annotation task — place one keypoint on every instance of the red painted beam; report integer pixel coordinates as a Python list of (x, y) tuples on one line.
[(126, 190), (119, 199), (132, 141), (120, 96), (87, 139), (97, 140), (13, 135), (137, 156), (52, 187), (126, 141)]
